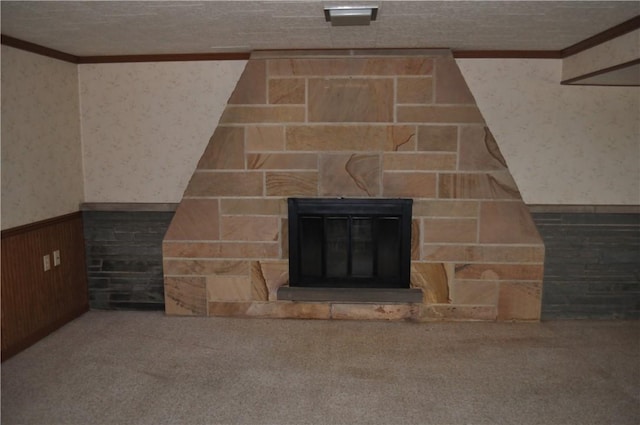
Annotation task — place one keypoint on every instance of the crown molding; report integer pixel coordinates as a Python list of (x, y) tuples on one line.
[(602, 37), (37, 49), (178, 57), (506, 54)]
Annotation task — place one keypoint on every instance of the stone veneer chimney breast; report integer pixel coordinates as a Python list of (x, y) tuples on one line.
[(364, 124)]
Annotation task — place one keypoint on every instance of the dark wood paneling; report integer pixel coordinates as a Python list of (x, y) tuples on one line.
[(37, 302)]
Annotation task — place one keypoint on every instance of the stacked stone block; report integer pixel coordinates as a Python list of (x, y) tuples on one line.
[(592, 267), (124, 258)]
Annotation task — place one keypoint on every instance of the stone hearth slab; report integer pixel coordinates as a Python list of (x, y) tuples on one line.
[(351, 295)]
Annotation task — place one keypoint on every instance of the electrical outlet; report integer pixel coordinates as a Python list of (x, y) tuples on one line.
[(46, 262), (56, 258)]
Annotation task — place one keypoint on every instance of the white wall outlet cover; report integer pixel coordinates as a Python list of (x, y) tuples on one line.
[(46, 262), (56, 258)]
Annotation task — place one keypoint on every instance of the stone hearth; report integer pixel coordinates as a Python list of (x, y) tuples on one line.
[(382, 124)]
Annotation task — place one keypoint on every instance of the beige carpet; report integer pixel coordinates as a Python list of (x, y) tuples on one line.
[(145, 368)]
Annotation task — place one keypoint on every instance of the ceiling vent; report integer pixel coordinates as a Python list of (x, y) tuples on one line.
[(342, 16)]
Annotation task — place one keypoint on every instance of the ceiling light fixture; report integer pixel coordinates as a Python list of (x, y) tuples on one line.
[(341, 16)]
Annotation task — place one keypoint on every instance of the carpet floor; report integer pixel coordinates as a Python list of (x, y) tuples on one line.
[(146, 368)]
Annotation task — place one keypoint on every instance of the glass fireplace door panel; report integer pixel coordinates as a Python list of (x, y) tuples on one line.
[(362, 247), (389, 240), (311, 237), (337, 246)]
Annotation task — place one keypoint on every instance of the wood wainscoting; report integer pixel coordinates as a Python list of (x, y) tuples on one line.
[(36, 302)]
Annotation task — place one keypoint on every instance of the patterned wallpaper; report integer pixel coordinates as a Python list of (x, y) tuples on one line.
[(41, 150), (563, 144), (145, 125)]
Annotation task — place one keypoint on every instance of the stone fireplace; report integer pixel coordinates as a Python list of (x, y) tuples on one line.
[(355, 125)]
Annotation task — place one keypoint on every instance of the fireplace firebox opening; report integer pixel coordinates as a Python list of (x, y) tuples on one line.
[(349, 243)]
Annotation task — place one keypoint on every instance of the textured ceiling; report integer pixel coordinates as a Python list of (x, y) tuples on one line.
[(96, 28)]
